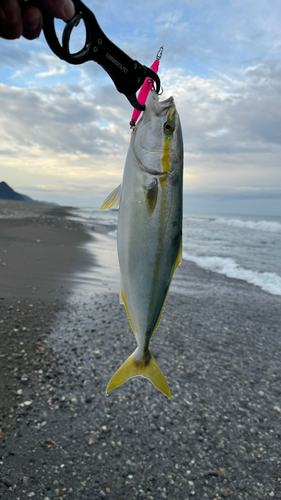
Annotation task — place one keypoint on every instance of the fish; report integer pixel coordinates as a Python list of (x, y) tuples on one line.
[(149, 231)]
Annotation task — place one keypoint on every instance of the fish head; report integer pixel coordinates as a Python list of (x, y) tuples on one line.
[(157, 138)]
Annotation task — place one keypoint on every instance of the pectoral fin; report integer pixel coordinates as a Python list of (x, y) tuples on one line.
[(113, 200), (147, 368), (151, 194)]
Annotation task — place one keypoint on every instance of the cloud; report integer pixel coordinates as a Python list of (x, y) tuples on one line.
[(64, 119), (230, 125), (235, 118), (67, 127), (56, 188), (63, 136), (20, 62)]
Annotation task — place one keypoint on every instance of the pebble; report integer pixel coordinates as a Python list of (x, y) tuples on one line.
[(226, 492), (7, 482), (70, 375), (242, 484)]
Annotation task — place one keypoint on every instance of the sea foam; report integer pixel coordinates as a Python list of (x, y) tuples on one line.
[(113, 234), (269, 282), (262, 225)]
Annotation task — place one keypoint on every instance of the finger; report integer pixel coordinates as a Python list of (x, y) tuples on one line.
[(63, 9), (11, 26), (32, 23)]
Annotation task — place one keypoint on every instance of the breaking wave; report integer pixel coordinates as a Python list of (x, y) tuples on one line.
[(113, 234), (269, 282), (262, 225)]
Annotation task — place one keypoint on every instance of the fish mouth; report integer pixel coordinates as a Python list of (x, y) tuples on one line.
[(159, 107), (148, 151)]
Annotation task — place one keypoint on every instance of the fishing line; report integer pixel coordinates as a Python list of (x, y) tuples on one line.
[(160, 51), (149, 83), (177, 3)]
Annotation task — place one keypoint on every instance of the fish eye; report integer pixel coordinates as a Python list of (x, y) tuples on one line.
[(168, 127)]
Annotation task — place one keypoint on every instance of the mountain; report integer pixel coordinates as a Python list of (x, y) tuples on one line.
[(7, 193)]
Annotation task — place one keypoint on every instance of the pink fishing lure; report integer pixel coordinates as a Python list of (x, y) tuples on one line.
[(144, 91)]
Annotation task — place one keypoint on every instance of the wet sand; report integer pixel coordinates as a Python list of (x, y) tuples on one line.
[(61, 437), (39, 252)]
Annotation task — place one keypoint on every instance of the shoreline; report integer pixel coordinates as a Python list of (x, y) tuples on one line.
[(61, 437), (40, 252)]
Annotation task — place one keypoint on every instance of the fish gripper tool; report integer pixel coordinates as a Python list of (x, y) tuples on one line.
[(127, 74)]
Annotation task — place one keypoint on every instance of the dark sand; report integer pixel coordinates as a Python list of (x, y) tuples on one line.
[(61, 437), (39, 252)]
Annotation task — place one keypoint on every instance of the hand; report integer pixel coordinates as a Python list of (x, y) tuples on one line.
[(29, 21)]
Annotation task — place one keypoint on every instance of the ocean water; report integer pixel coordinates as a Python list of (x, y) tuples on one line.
[(242, 247)]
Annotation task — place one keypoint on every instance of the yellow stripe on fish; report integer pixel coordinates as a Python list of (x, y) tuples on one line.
[(169, 127)]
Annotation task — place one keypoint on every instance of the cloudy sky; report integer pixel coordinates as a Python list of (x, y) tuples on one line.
[(64, 129)]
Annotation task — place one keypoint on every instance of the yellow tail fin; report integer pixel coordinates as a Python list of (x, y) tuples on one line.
[(147, 368)]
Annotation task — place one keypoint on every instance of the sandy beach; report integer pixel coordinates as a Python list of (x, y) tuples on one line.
[(63, 333)]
